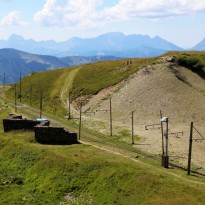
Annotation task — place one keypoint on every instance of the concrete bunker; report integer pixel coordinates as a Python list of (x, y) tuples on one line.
[(44, 133), (54, 135), (19, 123)]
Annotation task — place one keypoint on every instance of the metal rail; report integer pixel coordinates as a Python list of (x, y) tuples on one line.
[(91, 136)]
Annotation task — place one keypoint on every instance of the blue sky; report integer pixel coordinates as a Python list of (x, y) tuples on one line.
[(179, 21)]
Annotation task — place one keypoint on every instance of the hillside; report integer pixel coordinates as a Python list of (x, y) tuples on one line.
[(89, 79), (145, 86), (177, 91), (12, 62), (83, 174), (166, 83)]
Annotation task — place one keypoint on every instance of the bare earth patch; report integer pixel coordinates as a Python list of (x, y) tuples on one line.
[(148, 91)]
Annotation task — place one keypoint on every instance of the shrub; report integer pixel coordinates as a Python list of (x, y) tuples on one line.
[(192, 63)]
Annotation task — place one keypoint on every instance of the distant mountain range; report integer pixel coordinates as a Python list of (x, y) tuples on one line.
[(12, 62), (114, 44), (200, 46), (76, 51)]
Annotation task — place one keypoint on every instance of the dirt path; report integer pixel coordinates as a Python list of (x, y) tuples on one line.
[(146, 164), (68, 86)]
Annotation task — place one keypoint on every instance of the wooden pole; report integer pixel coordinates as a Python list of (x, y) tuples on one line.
[(167, 138), (41, 102), (4, 80), (132, 127), (79, 136), (162, 133), (31, 90), (69, 109), (110, 117), (20, 87), (190, 149), (15, 102), (165, 158)]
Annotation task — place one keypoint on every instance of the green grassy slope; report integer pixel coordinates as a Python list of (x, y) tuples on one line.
[(199, 55), (195, 61), (51, 82), (94, 77), (87, 80), (31, 173)]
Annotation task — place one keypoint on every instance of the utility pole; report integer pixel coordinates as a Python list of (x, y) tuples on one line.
[(190, 149), (31, 94), (20, 87), (167, 137), (110, 117), (69, 108), (15, 102), (41, 102), (4, 80), (80, 119), (79, 135), (162, 134), (132, 127), (165, 158)]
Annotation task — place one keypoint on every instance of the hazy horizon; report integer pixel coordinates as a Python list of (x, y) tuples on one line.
[(180, 22)]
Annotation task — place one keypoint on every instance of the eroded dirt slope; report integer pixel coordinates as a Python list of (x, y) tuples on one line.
[(148, 91)]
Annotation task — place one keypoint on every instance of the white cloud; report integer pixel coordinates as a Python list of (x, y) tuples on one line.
[(13, 19), (90, 13), (81, 13), (129, 9)]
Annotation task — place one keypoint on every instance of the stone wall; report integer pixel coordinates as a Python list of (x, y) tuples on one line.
[(54, 135)]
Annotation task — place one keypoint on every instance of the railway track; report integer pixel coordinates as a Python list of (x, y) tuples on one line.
[(90, 136)]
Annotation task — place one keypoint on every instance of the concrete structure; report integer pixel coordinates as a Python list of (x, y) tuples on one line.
[(18, 123), (43, 132), (54, 135)]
